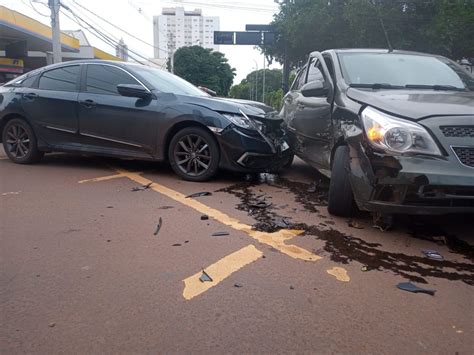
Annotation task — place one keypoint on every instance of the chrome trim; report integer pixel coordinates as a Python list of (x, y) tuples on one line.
[(126, 71), (246, 154), (215, 129), (61, 129), (111, 140), (459, 160)]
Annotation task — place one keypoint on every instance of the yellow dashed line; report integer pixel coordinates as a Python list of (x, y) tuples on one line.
[(220, 270), (339, 273), (275, 240)]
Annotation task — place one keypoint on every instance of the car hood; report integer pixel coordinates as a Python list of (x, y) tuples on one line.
[(416, 104), (225, 105)]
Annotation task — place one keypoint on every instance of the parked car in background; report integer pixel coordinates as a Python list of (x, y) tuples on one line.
[(133, 111), (393, 130)]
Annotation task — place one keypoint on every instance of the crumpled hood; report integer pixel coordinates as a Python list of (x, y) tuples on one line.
[(223, 105), (416, 104)]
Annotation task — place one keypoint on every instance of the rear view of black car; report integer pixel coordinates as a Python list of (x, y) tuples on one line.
[(132, 111), (393, 130)]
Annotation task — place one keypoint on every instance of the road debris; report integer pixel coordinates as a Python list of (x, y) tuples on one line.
[(110, 206), (408, 286), (339, 273), (219, 234), (205, 277), (469, 282), (364, 268), (238, 285), (204, 217), (165, 207), (382, 222), (199, 194), (260, 204), (176, 245), (143, 187), (433, 254), (158, 226), (292, 287), (52, 324), (353, 224)]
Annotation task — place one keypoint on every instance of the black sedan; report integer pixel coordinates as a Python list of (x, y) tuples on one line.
[(394, 130), (133, 111)]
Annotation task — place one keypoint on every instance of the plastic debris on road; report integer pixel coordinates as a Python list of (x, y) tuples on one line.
[(433, 254), (219, 234), (158, 227), (143, 187), (199, 194), (408, 286), (205, 277)]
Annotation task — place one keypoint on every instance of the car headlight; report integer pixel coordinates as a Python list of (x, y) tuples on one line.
[(239, 120), (395, 135)]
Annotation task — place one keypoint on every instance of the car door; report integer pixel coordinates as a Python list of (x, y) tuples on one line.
[(311, 120), (51, 105), (111, 123)]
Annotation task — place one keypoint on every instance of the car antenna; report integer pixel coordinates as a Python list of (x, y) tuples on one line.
[(390, 48)]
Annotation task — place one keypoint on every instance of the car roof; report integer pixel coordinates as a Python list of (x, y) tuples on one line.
[(378, 50), (90, 61)]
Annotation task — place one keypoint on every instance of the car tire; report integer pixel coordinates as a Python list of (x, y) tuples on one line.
[(20, 143), (194, 154), (341, 198)]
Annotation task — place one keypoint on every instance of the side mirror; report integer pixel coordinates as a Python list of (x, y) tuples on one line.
[(314, 88), (132, 90)]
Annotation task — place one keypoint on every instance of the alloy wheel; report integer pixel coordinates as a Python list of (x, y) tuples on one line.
[(192, 155), (18, 141)]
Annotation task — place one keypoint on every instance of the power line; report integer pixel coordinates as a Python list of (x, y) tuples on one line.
[(35, 9)]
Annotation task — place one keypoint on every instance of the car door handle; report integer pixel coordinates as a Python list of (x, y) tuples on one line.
[(31, 95), (300, 107), (88, 103)]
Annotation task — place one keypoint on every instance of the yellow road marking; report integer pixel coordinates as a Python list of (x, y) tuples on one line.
[(339, 273), (103, 178), (220, 270), (275, 240)]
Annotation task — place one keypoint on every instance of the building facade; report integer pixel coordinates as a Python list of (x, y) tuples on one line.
[(176, 28)]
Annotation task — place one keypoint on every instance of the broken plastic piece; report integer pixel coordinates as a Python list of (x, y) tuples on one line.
[(158, 227), (219, 234), (238, 285), (199, 194), (143, 187), (260, 204), (205, 277), (433, 254), (408, 286), (204, 217), (176, 245), (354, 224)]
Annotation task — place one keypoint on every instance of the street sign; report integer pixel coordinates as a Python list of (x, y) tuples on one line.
[(268, 38), (261, 28), (223, 37), (252, 38)]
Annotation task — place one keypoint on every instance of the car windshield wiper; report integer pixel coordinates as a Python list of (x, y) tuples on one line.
[(434, 87), (376, 86)]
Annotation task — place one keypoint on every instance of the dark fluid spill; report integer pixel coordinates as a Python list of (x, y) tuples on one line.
[(343, 248)]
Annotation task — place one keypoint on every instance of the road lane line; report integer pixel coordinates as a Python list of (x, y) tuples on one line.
[(103, 178), (276, 240), (220, 270)]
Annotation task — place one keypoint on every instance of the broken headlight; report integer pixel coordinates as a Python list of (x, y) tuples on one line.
[(395, 135), (239, 120)]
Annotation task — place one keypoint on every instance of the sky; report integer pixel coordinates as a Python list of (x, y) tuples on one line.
[(234, 15)]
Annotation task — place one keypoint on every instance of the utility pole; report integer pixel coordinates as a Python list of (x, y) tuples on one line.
[(256, 80), (56, 32), (263, 90)]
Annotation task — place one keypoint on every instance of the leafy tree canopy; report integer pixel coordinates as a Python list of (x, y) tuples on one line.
[(204, 67), (443, 27)]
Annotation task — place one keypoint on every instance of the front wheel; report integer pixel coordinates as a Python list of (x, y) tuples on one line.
[(341, 198), (19, 142), (194, 154)]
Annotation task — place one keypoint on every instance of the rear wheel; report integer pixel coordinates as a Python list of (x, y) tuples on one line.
[(194, 154), (341, 198), (19, 142)]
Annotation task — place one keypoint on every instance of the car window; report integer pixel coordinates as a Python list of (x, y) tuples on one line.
[(28, 82), (315, 71), (299, 80), (330, 66), (60, 79), (103, 79)]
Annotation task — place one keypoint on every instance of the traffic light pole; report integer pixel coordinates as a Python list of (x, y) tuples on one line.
[(56, 32)]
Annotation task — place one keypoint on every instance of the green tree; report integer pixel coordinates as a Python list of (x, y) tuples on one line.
[(246, 88), (204, 67), (436, 26)]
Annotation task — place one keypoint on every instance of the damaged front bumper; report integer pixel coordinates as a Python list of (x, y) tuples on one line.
[(410, 184), (246, 150)]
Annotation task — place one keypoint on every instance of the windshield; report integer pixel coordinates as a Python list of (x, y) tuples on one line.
[(402, 70), (167, 82)]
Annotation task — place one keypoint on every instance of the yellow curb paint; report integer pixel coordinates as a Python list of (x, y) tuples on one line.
[(275, 240), (103, 178), (220, 270), (339, 273)]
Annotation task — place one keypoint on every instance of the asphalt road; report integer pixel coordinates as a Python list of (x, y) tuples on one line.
[(82, 269)]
